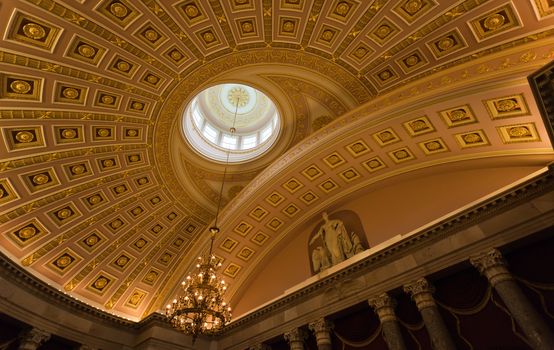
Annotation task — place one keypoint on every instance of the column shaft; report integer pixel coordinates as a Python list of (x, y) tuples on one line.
[(384, 307), (421, 291), (492, 265)]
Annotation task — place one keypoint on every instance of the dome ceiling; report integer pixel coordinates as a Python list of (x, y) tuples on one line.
[(231, 123), (101, 197)]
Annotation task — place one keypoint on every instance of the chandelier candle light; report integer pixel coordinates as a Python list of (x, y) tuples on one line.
[(201, 309)]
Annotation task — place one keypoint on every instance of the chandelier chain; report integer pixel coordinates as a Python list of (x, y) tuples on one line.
[(202, 310)]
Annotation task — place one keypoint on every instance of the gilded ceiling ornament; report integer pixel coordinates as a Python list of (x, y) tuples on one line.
[(107, 99), (433, 145), (151, 35), (151, 277), (123, 66), (288, 26), (95, 199), (401, 154), (507, 105), (70, 93), (457, 114), (176, 55), (412, 60), (100, 283), (119, 10), (122, 261), (342, 8), (64, 261), (472, 138), (103, 132), (152, 79), (446, 43), (34, 31), (374, 163), (384, 75), (86, 50), (116, 223), (136, 210), (519, 131), (78, 169), (386, 136), (91, 240), (383, 31), (208, 37), (24, 136), (418, 125), (494, 21), (528, 56), (412, 6), (360, 52), (64, 213), (69, 133), (20, 86), (238, 96), (247, 27), (27, 232), (191, 10), (327, 35), (41, 179)]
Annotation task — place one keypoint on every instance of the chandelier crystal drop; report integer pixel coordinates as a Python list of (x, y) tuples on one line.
[(201, 310)]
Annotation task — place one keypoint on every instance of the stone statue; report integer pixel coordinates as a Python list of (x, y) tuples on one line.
[(337, 246)]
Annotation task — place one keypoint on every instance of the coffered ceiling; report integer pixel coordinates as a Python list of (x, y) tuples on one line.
[(102, 197)]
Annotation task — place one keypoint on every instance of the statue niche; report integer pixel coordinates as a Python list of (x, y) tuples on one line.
[(335, 240)]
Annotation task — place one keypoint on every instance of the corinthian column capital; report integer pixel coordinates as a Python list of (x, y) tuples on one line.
[(295, 335), (33, 338), (492, 265), (422, 293), (384, 306), (321, 325)]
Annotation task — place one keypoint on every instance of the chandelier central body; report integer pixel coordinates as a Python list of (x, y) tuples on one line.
[(201, 308)]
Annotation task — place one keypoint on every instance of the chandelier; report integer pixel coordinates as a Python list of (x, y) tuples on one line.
[(201, 308)]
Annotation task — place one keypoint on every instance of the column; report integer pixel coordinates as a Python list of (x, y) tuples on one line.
[(384, 308), (422, 293), (295, 337), (322, 330), (33, 338), (260, 347), (492, 265)]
